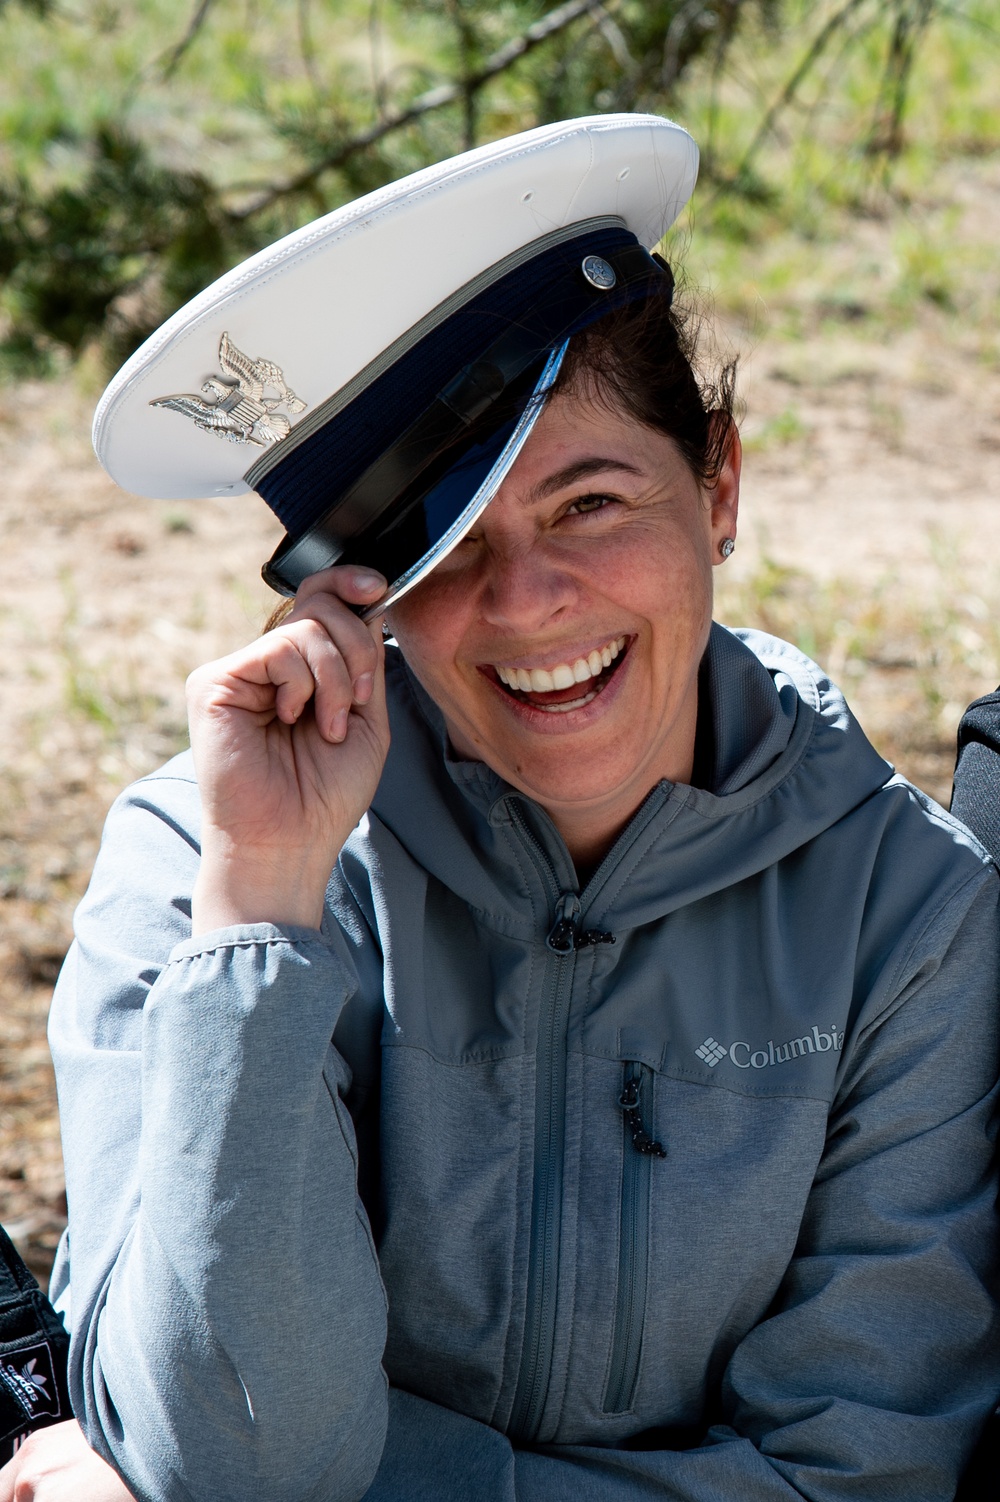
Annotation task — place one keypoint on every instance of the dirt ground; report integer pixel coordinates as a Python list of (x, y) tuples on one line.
[(869, 524)]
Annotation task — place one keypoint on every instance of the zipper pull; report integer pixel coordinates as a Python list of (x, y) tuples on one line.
[(629, 1102), (562, 935)]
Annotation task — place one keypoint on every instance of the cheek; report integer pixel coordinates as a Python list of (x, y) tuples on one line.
[(662, 574), (428, 626)]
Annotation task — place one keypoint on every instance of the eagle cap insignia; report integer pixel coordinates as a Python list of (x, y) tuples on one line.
[(244, 400)]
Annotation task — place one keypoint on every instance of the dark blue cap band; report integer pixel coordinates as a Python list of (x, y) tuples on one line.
[(547, 298)]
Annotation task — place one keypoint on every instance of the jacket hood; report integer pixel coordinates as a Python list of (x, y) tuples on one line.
[(787, 760)]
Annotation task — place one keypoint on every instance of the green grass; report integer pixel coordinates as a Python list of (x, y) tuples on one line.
[(908, 661), (105, 694), (779, 431), (794, 247)]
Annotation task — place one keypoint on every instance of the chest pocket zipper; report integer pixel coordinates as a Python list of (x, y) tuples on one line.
[(640, 1148)]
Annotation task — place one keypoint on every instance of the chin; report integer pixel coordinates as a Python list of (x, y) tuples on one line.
[(568, 770)]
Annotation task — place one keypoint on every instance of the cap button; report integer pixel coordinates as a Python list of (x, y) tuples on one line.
[(599, 273)]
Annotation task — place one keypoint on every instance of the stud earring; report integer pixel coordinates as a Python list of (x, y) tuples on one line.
[(386, 632), (726, 546)]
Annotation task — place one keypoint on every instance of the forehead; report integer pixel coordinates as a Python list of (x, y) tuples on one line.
[(582, 435)]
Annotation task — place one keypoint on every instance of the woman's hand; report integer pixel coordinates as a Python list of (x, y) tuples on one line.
[(57, 1465), (289, 737)]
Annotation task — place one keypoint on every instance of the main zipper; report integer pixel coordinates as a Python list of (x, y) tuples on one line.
[(549, 1150), (563, 941)]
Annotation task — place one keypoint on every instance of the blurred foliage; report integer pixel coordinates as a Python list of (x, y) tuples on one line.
[(142, 156)]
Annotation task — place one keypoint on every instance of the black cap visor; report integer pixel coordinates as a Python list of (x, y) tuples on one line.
[(422, 496)]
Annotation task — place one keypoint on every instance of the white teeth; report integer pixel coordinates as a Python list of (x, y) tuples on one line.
[(573, 704), (563, 675)]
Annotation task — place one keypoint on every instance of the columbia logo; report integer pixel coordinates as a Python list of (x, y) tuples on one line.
[(745, 1056), (711, 1051)]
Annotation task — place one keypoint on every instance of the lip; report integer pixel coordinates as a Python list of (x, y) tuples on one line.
[(543, 720)]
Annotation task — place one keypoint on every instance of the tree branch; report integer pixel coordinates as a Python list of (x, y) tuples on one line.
[(375, 53), (307, 50), (194, 26), (434, 99), (886, 135), (794, 83)]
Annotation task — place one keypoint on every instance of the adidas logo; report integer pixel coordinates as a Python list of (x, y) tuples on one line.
[(28, 1383), (28, 1376), (745, 1056)]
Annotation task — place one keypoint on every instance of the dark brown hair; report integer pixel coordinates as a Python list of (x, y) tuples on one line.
[(643, 359)]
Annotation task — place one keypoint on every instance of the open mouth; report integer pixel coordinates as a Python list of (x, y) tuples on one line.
[(568, 685)]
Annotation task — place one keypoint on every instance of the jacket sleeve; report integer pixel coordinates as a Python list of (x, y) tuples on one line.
[(227, 1313), (880, 1360)]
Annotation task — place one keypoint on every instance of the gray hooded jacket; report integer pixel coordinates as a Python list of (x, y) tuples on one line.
[(430, 1259)]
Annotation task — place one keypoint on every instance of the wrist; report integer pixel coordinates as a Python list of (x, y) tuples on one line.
[(234, 887)]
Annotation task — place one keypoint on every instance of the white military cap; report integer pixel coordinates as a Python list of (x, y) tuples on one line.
[(373, 375)]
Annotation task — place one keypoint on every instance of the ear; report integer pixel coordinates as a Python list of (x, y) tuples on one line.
[(723, 495)]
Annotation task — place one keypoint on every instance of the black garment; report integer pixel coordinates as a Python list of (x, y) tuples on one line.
[(979, 1484), (976, 801), (33, 1349)]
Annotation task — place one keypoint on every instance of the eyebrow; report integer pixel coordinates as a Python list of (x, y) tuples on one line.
[(581, 469)]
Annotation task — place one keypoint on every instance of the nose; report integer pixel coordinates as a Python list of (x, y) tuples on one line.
[(523, 585)]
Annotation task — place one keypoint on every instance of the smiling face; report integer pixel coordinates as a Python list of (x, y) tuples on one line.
[(561, 639)]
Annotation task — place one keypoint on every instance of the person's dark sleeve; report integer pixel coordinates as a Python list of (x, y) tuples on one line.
[(875, 1370), (226, 1308)]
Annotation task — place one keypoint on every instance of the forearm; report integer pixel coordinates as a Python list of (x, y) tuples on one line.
[(243, 1319), (456, 1457)]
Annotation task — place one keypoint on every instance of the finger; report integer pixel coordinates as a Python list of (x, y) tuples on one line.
[(351, 583), (334, 687), (359, 645), (269, 677), (374, 712), (293, 671), (9, 1475)]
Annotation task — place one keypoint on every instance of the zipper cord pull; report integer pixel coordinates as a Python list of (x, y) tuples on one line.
[(641, 1140), (562, 935), (594, 936)]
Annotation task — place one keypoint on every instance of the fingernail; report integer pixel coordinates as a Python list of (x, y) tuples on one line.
[(363, 685), (338, 729), (368, 579)]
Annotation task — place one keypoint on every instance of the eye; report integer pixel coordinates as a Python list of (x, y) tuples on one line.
[(585, 504)]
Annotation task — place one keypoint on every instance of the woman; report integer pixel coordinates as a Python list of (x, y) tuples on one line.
[(650, 1156)]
